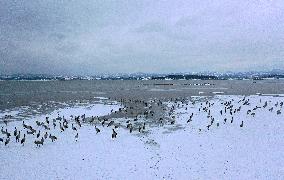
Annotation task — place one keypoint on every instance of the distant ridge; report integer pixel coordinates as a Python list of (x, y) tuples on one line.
[(274, 74)]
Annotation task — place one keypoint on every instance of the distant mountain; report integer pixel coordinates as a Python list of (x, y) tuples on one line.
[(273, 74)]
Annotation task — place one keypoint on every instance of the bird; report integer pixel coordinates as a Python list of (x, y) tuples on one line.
[(53, 138), (29, 132), (6, 122), (76, 137), (61, 128), (38, 134), (74, 128), (18, 136), (38, 123), (114, 134), (97, 129), (23, 140), (65, 124), (45, 135), (26, 126), (7, 141), (46, 119), (39, 142), (143, 127), (110, 123), (249, 111), (7, 133), (242, 124), (15, 131), (129, 125), (2, 131), (208, 126), (103, 123)]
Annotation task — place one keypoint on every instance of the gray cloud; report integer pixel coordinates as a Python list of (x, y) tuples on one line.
[(90, 37)]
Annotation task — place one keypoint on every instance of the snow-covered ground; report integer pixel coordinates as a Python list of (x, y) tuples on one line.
[(183, 150), (254, 151)]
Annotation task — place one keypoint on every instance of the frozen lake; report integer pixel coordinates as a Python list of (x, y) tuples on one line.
[(171, 135)]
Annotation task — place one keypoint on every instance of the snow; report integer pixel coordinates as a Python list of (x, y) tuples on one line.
[(101, 98), (280, 95), (255, 151), (179, 151), (11, 113), (218, 92), (88, 110)]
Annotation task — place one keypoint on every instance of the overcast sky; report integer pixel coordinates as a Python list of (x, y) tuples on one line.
[(90, 37)]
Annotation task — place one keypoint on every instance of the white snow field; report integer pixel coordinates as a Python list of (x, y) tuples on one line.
[(185, 149)]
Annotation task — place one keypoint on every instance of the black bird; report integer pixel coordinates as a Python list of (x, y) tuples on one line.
[(74, 128), (23, 140), (18, 136), (7, 133), (6, 122), (103, 123), (7, 141), (45, 135), (38, 123), (242, 124), (208, 126), (143, 127), (65, 124), (24, 125), (61, 128), (2, 131), (76, 137), (53, 138), (15, 132), (46, 119), (97, 129), (129, 125), (40, 142), (30, 132), (114, 134), (110, 123), (38, 134)]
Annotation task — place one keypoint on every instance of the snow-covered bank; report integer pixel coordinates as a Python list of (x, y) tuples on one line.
[(183, 150), (254, 151)]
